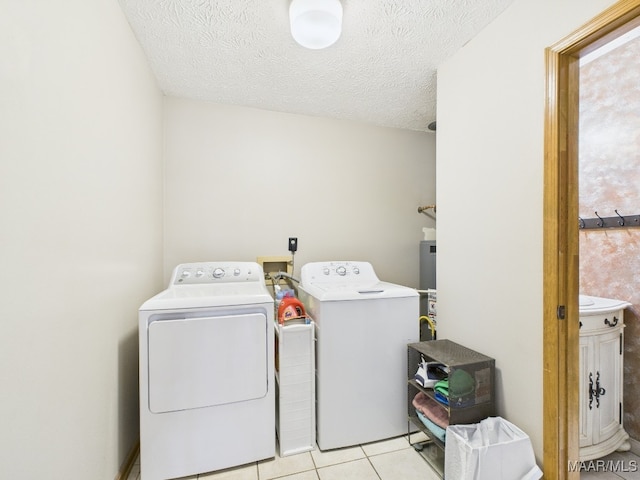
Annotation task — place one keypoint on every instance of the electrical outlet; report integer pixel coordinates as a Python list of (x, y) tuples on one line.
[(293, 244)]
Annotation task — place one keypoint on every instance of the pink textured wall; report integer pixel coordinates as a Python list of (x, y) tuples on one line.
[(609, 180)]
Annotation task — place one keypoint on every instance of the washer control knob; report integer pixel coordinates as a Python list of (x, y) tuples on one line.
[(218, 273), (356, 270), (199, 273), (341, 270), (186, 274), (326, 270), (236, 272)]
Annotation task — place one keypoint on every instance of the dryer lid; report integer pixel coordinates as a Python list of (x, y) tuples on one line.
[(209, 295)]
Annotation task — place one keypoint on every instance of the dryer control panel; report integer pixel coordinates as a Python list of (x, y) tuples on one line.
[(216, 272)]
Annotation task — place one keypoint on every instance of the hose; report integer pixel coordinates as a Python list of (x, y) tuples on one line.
[(432, 325)]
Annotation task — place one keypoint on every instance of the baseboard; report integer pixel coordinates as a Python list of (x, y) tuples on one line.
[(635, 446), (129, 462)]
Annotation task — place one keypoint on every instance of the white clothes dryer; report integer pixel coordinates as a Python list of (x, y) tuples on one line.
[(207, 371), (363, 327)]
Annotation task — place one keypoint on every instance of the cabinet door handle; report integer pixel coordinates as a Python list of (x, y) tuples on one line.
[(599, 390), (611, 324), (596, 392)]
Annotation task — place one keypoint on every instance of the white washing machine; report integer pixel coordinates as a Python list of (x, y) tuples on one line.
[(363, 327), (206, 371)]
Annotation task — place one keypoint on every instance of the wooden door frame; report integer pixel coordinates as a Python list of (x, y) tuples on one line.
[(560, 243)]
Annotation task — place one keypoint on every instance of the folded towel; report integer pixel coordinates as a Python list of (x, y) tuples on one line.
[(443, 387), (439, 432), (431, 409), (442, 399)]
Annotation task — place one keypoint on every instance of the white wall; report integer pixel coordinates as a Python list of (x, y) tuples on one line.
[(80, 235), (241, 181), (490, 196)]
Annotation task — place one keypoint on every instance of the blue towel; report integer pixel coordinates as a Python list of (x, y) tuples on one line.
[(439, 432), (442, 399)]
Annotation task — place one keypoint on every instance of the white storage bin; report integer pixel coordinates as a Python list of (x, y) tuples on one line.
[(295, 395)]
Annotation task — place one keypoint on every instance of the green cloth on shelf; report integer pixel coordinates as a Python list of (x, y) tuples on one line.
[(443, 387)]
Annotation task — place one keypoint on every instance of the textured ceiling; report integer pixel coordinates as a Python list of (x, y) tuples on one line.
[(382, 70)]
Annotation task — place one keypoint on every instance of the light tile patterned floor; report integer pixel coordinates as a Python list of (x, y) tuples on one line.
[(392, 459)]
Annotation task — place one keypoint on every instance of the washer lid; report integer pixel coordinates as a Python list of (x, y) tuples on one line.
[(342, 280), (327, 292), (596, 305)]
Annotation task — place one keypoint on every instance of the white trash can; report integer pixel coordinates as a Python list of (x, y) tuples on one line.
[(493, 449)]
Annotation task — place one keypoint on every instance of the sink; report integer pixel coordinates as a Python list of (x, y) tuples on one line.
[(590, 305), (585, 301)]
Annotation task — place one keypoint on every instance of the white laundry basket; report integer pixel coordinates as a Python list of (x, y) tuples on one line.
[(493, 449)]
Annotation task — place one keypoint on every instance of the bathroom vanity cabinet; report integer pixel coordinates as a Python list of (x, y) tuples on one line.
[(601, 377)]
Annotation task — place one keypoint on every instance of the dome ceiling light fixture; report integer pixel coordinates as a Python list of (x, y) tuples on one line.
[(315, 24)]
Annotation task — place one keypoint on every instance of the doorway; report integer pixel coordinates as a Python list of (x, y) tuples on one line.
[(561, 246)]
